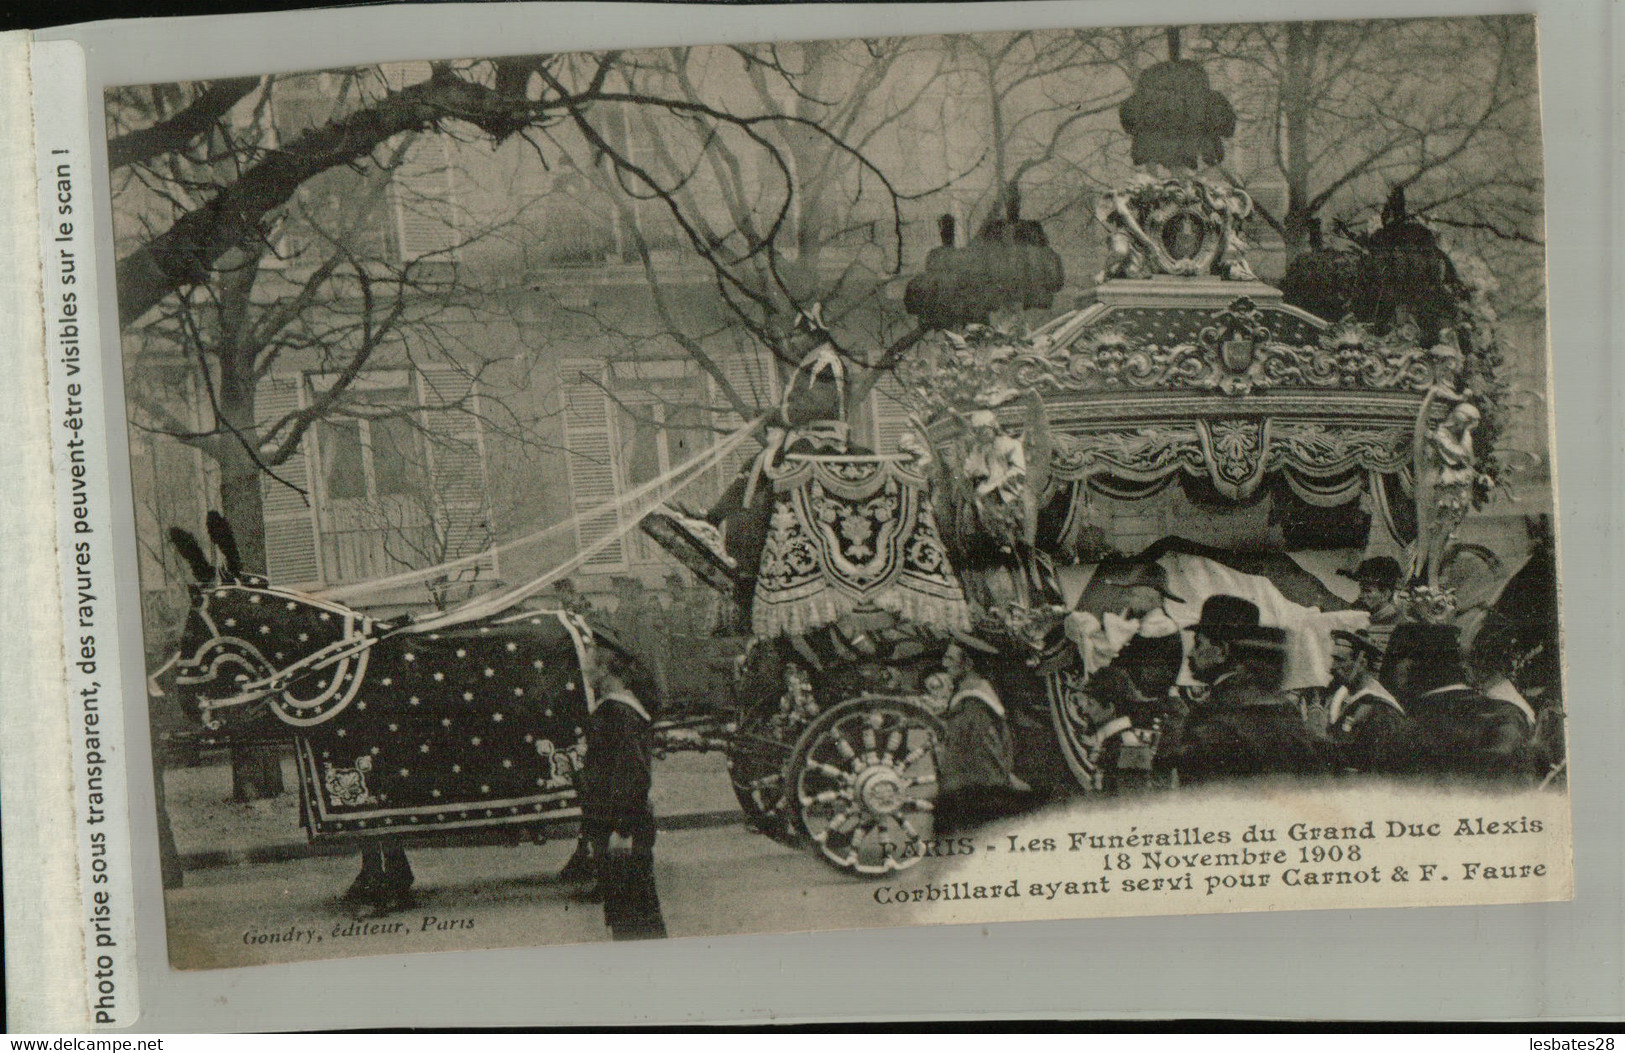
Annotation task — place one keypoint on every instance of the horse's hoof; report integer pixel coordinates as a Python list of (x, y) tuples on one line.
[(359, 892), (380, 909)]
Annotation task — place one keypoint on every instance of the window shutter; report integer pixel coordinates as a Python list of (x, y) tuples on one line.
[(888, 414), (457, 469), (422, 191), (422, 194), (591, 462), (290, 522)]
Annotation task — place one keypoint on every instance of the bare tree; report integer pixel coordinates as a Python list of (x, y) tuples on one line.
[(827, 230), (498, 99), (1050, 101), (794, 214), (1353, 110), (320, 293), (316, 297)]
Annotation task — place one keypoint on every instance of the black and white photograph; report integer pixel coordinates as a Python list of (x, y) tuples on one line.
[(836, 484)]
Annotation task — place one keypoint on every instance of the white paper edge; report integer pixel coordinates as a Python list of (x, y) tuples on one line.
[(44, 948)]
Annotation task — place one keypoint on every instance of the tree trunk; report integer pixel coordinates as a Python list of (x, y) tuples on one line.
[(1296, 116), (256, 771), (1295, 228), (243, 506)]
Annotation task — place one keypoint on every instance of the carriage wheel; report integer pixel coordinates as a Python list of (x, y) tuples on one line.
[(756, 765), (863, 781)]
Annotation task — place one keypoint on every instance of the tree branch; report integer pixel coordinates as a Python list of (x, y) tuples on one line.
[(176, 133), (184, 254)]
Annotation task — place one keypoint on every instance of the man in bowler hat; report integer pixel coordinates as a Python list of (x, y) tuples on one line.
[(1460, 730), (1246, 727)]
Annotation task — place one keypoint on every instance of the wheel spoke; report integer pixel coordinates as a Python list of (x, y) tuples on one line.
[(834, 825), (829, 770), (845, 823), (914, 755), (844, 747), (920, 804)]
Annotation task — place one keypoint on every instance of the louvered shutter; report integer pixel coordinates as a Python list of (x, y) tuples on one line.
[(888, 414), (422, 195), (422, 192), (590, 458), (290, 521), (456, 452)]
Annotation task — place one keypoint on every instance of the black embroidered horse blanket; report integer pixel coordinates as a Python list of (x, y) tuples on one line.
[(474, 727)]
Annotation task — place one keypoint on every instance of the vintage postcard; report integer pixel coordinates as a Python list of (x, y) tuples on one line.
[(874, 482)]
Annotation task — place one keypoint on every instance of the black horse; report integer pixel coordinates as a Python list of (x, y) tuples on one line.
[(400, 736)]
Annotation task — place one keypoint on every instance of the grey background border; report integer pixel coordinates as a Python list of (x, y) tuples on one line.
[(1537, 961)]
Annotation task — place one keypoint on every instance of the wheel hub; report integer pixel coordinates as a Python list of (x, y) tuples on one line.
[(880, 789)]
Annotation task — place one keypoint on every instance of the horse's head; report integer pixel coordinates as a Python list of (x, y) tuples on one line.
[(246, 643)]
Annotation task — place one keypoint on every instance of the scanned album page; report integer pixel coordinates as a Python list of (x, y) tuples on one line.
[(545, 499)]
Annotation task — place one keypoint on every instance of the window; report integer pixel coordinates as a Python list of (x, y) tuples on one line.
[(372, 456), (376, 509), (626, 425), (661, 423)]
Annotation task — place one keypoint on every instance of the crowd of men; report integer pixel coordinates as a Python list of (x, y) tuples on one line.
[(1400, 703)]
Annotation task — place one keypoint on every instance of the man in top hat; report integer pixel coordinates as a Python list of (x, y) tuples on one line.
[(1365, 724), (1460, 730), (976, 776), (1246, 727), (1378, 578)]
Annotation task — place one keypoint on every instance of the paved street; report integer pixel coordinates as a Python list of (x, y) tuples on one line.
[(209, 826), (714, 878), (712, 881)]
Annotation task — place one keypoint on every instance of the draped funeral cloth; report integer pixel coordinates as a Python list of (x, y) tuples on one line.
[(1308, 629), (1194, 578), (850, 533)]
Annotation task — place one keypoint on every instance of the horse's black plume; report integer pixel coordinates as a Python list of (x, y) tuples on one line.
[(192, 553), (220, 533)]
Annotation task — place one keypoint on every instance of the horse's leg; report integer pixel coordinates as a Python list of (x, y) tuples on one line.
[(397, 870), (394, 890), (366, 884), (581, 867)]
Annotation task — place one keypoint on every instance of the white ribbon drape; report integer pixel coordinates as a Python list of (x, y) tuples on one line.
[(495, 603)]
